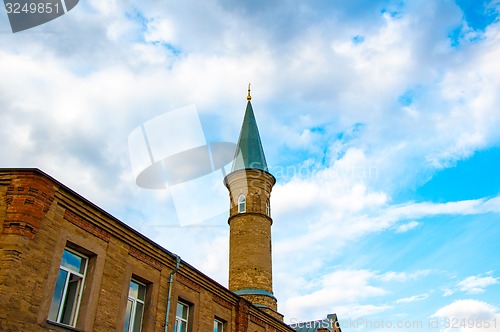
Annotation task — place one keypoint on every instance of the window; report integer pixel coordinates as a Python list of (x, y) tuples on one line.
[(181, 317), (68, 289), (268, 208), (242, 203), (135, 307), (218, 326)]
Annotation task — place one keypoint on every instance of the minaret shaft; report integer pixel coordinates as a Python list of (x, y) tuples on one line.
[(250, 185), (250, 260)]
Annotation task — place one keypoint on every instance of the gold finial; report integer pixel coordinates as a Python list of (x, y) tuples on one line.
[(249, 97)]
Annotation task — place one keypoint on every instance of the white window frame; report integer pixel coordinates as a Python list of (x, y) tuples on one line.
[(268, 208), (130, 327), (242, 204), (70, 272), (182, 319), (218, 323)]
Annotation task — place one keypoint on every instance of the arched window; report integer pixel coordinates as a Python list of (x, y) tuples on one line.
[(242, 203), (268, 208)]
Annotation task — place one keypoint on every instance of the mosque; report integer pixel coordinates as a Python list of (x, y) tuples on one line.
[(68, 265)]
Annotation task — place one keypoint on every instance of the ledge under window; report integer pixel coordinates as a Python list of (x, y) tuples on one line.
[(66, 327)]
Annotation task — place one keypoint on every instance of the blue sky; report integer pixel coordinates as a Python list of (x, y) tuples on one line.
[(379, 119)]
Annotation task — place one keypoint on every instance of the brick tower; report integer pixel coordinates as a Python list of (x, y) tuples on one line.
[(250, 185)]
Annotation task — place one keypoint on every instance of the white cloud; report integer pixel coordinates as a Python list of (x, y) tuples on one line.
[(354, 212), (160, 30), (473, 284), (403, 276), (346, 292), (356, 312), (413, 298), (335, 290), (477, 284), (468, 315), (467, 309), (406, 227)]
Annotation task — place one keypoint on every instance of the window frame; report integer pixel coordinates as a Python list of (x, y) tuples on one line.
[(219, 322), (182, 319), (242, 204), (268, 208), (78, 300), (133, 312)]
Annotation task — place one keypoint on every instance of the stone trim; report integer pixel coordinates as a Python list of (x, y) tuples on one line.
[(63, 327), (249, 213), (253, 291)]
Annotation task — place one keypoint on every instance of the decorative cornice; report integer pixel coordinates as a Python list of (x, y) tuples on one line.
[(219, 300), (20, 228), (27, 200), (86, 225), (257, 321), (186, 282), (145, 258)]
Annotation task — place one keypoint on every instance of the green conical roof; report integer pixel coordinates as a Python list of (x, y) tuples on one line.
[(249, 152)]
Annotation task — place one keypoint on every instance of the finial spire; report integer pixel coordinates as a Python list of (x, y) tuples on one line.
[(249, 152), (249, 97)]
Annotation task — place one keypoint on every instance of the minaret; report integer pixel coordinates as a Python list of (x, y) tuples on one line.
[(250, 185)]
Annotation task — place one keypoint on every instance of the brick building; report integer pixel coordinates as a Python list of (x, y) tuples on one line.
[(68, 265)]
